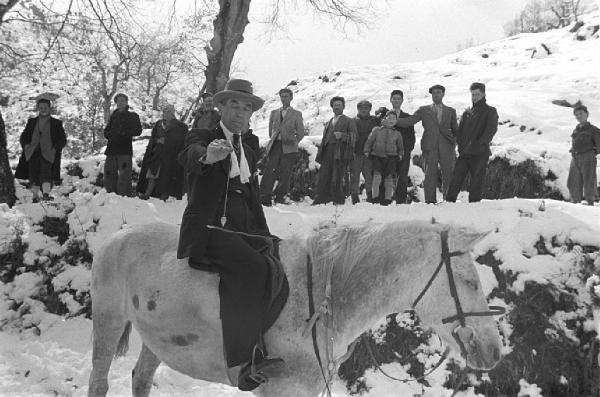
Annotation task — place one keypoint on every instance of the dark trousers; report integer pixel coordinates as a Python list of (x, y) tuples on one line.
[(331, 177), (475, 166), (40, 169), (243, 292), (278, 167), (117, 174), (402, 181), (582, 177)]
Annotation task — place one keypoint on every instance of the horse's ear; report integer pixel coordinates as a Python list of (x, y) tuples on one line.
[(466, 239)]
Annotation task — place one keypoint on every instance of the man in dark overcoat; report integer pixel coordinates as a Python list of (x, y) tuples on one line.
[(161, 174), (477, 128), (221, 224), (335, 154)]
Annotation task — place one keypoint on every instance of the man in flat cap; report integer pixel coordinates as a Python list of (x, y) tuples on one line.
[(438, 143), (223, 229)]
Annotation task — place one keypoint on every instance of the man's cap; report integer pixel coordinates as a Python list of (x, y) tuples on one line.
[(364, 103), (437, 87)]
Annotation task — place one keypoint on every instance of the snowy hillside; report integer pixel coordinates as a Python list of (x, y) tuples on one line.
[(535, 260), (555, 246), (520, 86)]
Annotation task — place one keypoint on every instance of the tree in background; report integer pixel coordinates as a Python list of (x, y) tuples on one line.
[(543, 15)]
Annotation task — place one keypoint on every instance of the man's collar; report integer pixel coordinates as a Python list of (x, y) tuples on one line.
[(228, 134)]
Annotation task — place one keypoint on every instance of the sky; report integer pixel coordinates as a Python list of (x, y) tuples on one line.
[(402, 31)]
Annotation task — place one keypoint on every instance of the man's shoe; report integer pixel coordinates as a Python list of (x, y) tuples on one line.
[(355, 198), (36, 199), (385, 202), (369, 197), (47, 197), (266, 202), (255, 374), (375, 200)]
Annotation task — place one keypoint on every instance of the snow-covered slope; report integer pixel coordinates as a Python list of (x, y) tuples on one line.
[(520, 86), (548, 243)]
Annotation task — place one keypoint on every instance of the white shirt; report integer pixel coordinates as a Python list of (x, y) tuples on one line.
[(240, 169)]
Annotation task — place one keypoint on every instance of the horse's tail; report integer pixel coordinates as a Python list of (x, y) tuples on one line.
[(123, 344)]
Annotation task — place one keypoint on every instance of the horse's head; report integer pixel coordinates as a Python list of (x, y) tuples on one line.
[(475, 333)]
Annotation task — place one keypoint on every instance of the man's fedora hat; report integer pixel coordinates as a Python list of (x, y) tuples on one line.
[(238, 88), (437, 87)]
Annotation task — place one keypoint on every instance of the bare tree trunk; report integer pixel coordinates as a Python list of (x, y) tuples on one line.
[(7, 182), (4, 8), (228, 34)]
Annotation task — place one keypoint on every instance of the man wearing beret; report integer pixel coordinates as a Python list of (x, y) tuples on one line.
[(438, 143), (223, 229)]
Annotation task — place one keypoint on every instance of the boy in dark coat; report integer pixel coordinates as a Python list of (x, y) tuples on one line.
[(42, 141), (122, 126), (476, 130), (585, 146), (161, 174)]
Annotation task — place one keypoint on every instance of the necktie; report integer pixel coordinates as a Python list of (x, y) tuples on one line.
[(236, 145)]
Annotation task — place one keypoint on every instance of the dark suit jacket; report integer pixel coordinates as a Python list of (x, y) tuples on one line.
[(59, 141), (206, 192), (477, 128), (433, 130), (344, 147)]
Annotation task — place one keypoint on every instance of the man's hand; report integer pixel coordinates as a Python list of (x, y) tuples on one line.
[(337, 134), (217, 150)]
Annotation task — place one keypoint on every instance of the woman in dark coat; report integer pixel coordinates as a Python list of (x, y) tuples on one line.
[(161, 174), (42, 141)]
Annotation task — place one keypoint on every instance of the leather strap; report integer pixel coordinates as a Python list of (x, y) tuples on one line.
[(311, 312)]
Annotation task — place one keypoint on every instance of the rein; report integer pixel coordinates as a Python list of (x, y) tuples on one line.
[(460, 316)]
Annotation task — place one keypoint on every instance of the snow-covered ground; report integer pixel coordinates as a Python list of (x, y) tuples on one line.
[(58, 360), (46, 354)]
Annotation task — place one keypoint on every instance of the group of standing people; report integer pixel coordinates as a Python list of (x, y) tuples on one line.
[(378, 147)]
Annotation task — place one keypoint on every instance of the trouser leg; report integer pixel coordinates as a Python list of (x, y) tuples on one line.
[(243, 293), (111, 174), (339, 172), (447, 157), (270, 175), (575, 181), (376, 183), (285, 172), (477, 170), (402, 180), (124, 175), (356, 168), (430, 164), (325, 177), (461, 169), (588, 174), (367, 171), (389, 187)]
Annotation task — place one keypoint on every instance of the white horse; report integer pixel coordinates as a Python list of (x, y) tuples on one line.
[(379, 269)]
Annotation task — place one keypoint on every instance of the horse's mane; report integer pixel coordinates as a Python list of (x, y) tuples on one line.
[(347, 246)]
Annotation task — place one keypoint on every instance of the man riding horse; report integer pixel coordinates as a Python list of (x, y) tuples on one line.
[(223, 229)]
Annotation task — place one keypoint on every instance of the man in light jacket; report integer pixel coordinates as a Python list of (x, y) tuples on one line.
[(286, 130), (438, 142)]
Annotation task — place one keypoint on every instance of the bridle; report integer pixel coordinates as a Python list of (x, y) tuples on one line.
[(462, 334), (463, 331)]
